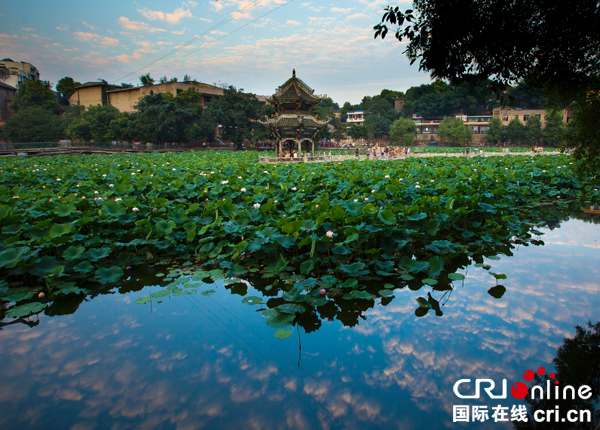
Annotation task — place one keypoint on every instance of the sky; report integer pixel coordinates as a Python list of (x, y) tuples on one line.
[(251, 44)]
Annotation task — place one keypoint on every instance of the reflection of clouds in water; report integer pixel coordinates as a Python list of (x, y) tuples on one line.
[(136, 371), (548, 293)]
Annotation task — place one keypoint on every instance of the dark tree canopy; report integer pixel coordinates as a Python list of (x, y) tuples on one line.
[(555, 46), (66, 87), (504, 40), (236, 112), (34, 94)]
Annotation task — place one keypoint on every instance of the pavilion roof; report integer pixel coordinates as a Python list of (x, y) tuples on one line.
[(294, 90)]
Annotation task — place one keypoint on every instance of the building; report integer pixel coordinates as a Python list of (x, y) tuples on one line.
[(508, 114), (399, 104), (125, 99), (19, 72), (7, 92), (356, 118), (427, 128), (294, 122)]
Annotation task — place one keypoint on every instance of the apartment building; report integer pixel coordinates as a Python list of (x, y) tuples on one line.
[(19, 72)]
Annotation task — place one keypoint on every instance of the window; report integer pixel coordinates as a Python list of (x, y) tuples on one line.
[(525, 118), (505, 118), (484, 129), (516, 116), (539, 116)]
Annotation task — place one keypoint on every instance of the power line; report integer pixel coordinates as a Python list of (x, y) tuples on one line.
[(195, 38)]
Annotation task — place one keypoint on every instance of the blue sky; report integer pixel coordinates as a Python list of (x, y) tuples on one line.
[(329, 43)]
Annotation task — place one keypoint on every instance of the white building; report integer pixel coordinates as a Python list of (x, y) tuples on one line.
[(356, 118), (19, 72)]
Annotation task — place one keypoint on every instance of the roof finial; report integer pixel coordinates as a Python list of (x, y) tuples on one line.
[(294, 73)]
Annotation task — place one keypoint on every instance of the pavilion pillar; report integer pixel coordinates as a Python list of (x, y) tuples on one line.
[(299, 144), (312, 141)]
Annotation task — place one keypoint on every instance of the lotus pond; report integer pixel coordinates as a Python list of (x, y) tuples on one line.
[(203, 291)]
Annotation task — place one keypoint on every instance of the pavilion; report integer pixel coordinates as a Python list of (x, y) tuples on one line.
[(294, 123)]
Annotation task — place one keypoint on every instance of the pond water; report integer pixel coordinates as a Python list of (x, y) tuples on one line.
[(192, 362)]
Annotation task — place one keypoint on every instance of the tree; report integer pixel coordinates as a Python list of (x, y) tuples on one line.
[(260, 132), (146, 80), (162, 80), (186, 78), (555, 129), (34, 124), (455, 131), (66, 87), (360, 132), (533, 129), (160, 118), (515, 132), (495, 131), (34, 94), (403, 131), (236, 112), (552, 44), (4, 73), (380, 125), (94, 124), (190, 99)]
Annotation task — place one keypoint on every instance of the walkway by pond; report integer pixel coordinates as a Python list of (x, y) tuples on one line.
[(330, 157)]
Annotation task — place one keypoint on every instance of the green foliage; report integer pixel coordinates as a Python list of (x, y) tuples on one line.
[(496, 131), (94, 123), (360, 131), (146, 80), (403, 131), (515, 132), (66, 87), (583, 132), (160, 118), (356, 222), (380, 125), (236, 112), (35, 124), (533, 129), (455, 131), (34, 94), (555, 129), (540, 46)]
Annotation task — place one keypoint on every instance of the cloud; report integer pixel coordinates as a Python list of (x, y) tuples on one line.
[(62, 27), (340, 10), (91, 27), (243, 6), (28, 29), (172, 18), (292, 22), (109, 41), (358, 16), (86, 37), (137, 25), (138, 54), (145, 44)]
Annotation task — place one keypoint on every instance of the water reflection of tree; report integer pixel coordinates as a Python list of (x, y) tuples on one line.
[(577, 363)]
